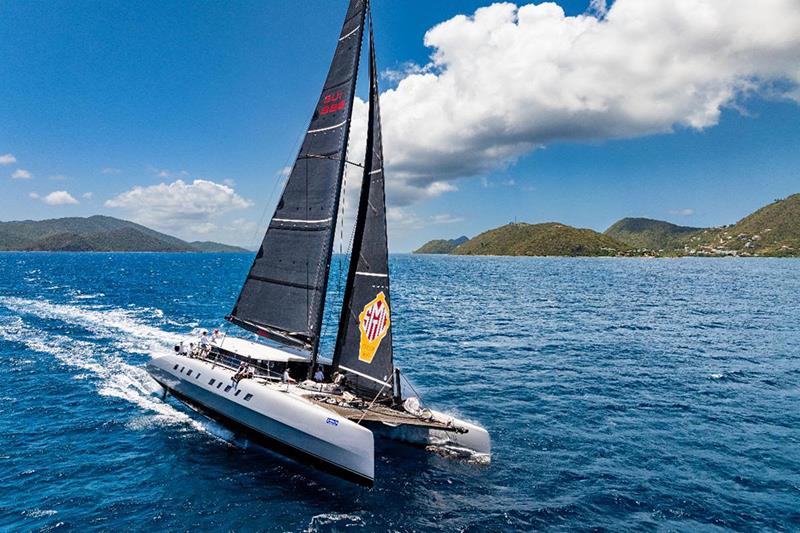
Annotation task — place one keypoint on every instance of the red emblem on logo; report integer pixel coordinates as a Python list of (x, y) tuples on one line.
[(373, 322)]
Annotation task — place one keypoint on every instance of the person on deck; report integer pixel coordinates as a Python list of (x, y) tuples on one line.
[(339, 378), (241, 373), (287, 378), (205, 344), (216, 336), (319, 376)]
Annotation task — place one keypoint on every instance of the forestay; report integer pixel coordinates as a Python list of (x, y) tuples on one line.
[(284, 294)]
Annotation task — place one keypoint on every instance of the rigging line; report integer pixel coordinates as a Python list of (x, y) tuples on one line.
[(279, 182), (341, 232), (308, 306), (372, 402)]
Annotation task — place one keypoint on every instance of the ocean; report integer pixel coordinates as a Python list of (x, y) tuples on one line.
[(621, 395)]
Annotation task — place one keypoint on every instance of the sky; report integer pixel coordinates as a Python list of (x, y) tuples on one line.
[(184, 116)]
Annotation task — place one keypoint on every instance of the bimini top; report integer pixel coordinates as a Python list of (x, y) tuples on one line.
[(260, 352)]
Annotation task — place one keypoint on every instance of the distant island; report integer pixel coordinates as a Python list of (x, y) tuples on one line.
[(441, 246), (96, 234), (772, 231)]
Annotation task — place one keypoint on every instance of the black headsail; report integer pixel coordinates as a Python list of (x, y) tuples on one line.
[(284, 294), (364, 342)]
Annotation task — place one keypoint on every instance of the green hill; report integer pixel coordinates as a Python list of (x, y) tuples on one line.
[(651, 234), (95, 234), (773, 230), (441, 246), (541, 240), (215, 247)]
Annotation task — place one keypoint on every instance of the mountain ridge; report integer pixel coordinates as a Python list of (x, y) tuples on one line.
[(97, 233), (545, 239), (771, 231), (441, 246), (649, 233)]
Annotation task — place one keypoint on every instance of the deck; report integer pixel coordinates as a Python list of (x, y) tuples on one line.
[(383, 414)]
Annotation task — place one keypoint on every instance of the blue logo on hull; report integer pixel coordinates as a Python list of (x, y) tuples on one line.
[(332, 421)]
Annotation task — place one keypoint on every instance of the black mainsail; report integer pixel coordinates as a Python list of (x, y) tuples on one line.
[(283, 297), (364, 341)]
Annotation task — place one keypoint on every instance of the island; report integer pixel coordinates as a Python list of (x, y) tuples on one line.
[(772, 231), (442, 246), (96, 234)]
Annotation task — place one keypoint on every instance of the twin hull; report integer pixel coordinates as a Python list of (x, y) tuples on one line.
[(293, 426), (279, 419)]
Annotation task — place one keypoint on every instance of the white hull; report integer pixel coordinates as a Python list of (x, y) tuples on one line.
[(474, 443), (285, 421)]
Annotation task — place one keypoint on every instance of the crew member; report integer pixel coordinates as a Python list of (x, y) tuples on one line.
[(241, 373)]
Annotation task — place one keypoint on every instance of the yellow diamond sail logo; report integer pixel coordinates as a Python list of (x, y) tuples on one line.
[(373, 322)]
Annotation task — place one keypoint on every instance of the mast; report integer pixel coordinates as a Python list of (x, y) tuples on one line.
[(283, 297), (364, 340)]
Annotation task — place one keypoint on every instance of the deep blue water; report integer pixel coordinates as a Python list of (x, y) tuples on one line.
[(621, 394)]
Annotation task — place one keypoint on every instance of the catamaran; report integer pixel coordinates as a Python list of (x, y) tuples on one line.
[(329, 422)]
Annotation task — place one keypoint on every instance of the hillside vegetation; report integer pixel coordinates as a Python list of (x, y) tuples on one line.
[(651, 234), (441, 246), (772, 231), (95, 234), (541, 240)]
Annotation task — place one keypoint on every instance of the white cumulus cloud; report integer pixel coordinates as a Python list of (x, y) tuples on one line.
[(510, 79), (400, 218), (59, 198), (402, 189), (7, 159), (180, 206), (21, 174)]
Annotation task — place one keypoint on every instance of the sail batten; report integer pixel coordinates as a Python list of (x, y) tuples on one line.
[(364, 341), (283, 296)]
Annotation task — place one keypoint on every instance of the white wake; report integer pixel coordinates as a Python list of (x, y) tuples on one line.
[(100, 360)]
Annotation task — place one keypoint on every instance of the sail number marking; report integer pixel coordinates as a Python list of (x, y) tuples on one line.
[(332, 103)]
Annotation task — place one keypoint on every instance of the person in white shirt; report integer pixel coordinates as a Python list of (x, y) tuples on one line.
[(205, 344), (287, 378), (216, 336), (319, 376)]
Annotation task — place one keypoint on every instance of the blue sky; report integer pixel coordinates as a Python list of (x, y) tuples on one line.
[(99, 98)]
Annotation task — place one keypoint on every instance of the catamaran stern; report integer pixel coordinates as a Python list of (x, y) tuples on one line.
[(467, 439)]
